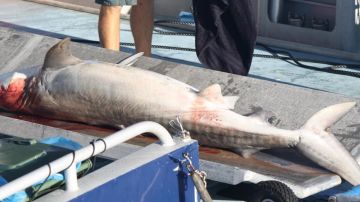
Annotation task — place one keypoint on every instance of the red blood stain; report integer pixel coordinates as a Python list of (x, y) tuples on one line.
[(10, 97), (209, 150), (201, 114)]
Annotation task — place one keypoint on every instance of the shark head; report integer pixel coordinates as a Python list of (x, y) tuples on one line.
[(12, 87), (12, 84)]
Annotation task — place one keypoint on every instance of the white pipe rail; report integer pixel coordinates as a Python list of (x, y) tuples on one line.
[(69, 161)]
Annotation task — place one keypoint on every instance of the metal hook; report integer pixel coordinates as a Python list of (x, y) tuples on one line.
[(178, 127)]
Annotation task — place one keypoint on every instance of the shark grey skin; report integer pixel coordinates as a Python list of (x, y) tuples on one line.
[(100, 93)]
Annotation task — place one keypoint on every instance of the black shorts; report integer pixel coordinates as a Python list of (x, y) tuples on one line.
[(226, 33)]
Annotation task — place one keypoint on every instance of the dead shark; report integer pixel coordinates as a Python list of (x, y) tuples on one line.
[(100, 93)]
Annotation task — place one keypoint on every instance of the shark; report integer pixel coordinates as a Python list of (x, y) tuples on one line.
[(99, 93)]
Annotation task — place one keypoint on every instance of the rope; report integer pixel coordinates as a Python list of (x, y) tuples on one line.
[(163, 47), (38, 189), (73, 160), (93, 151), (330, 69)]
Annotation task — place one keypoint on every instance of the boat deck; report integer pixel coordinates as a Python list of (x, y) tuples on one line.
[(266, 87)]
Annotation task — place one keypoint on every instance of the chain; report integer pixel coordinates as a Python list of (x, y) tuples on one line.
[(160, 32), (174, 22), (198, 177), (163, 47), (190, 167)]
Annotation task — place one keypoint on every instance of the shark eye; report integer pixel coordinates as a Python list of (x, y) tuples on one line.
[(273, 120)]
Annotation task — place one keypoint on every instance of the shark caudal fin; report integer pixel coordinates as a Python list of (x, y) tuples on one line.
[(60, 56), (328, 116), (322, 147)]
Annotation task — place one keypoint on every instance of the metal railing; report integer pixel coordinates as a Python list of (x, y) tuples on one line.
[(68, 162)]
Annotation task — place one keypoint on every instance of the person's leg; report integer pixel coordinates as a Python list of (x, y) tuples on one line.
[(109, 27), (142, 24)]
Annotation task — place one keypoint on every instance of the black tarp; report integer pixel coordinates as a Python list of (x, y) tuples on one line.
[(226, 33)]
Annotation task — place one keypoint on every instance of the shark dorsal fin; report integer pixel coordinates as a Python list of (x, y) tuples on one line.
[(213, 94), (60, 56), (329, 116)]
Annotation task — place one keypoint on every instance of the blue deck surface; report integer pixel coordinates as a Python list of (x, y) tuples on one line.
[(84, 25)]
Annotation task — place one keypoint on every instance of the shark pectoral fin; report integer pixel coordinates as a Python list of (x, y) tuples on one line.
[(328, 116), (131, 59), (60, 56), (245, 153), (213, 94)]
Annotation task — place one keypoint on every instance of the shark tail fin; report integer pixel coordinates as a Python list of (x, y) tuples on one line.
[(328, 116)]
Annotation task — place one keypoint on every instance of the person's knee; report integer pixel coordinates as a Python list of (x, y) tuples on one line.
[(109, 10)]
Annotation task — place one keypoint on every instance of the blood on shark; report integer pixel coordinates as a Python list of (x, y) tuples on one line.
[(11, 90)]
